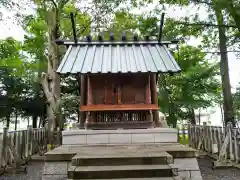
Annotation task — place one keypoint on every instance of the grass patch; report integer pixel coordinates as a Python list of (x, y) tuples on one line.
[(180, 139)]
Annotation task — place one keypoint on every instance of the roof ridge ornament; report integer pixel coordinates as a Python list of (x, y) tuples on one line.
[(100, 37), (111, 36), (73, 28), (124, 37), (135, 37), (161, 28), (89, 38)]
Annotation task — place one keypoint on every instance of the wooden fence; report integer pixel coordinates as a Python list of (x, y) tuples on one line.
[(17, 147), (221, 143)]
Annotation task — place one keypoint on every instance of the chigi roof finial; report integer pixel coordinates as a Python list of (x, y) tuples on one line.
[(135, 37), (100, 37), (89, 38), (124, 38), (111, 36), (147, 38)]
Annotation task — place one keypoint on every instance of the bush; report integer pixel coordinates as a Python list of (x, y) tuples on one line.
[(180, 137)]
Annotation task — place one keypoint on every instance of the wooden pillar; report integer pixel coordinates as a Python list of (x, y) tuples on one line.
[(119, 93), (89, 91), (89, 98), (154, 89), (148, 91), (154, 99), (82, 100)]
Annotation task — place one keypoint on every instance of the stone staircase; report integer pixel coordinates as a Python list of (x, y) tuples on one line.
[(129, 154), (131, 166)]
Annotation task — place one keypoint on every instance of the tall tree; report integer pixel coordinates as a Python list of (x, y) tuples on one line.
[(218, 29), (195, 87), (12, 86), (52, 11)]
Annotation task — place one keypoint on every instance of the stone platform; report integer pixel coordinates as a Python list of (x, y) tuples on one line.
[(120, 136), (121, 154), (157, 159)]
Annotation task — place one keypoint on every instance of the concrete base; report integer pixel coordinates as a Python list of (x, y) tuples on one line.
[(99, 149), (187, 169), (120, 136)]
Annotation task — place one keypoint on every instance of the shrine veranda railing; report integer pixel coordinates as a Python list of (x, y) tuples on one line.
[(126, 116), (221, 143), (18, 147)]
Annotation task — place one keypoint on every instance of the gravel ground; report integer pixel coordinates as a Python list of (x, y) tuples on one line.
[(205, 165), (34, 170)]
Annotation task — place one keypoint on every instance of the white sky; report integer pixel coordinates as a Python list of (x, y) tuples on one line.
[(9, 28)]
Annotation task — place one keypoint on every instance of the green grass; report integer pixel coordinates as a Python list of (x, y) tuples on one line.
[(181, 139)]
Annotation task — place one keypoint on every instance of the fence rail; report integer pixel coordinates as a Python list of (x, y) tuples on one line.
[(221, 143), (17, 147)]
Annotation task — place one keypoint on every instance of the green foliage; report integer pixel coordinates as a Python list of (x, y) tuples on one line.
[(236, 104), (180, 139), (195, 87), (17, 79)]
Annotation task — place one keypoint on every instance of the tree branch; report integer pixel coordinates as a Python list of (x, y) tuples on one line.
[(46, 88), (202, 2), (54, 3), (218, 52), (207, 24)]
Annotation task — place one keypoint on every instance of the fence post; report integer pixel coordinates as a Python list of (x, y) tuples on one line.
[(183, 135), (4, 147), (58, 136), (178, 134), (189, 129), (215, 148), (210, 139), (24, 147), (236, 146), (45, 136), (223, 155), (230, 130), (18, 150), (204, 142), (30, 140)]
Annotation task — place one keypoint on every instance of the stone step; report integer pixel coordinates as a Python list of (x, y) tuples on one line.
[(131, 158), (155, 178), (113, 172), (66, 153)]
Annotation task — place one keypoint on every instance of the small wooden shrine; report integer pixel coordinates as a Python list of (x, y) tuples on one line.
[(118, 81)]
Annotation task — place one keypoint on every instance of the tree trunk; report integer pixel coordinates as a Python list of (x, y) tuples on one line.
[(191, 116), (199, 116), (8, 118), (234, 12), (34, 121), (224, 70), (16, 116), (51, 81), (171, 118), (222, 115)]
